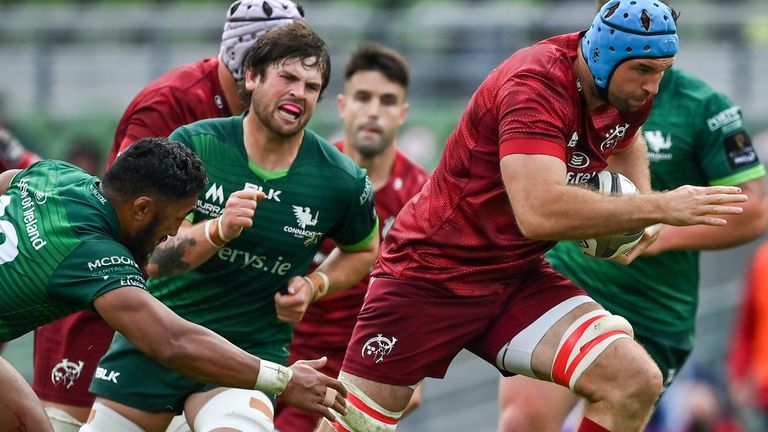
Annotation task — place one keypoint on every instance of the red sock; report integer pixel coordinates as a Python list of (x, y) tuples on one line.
[(588, 425)]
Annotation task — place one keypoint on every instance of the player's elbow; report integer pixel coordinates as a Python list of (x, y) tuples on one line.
[(536, 227)]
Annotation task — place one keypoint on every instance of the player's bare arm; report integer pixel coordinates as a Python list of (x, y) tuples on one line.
[(546, 208), (632, 161), (195, 244), (341, 270), (752, 223), (203, 355), (5, 179)]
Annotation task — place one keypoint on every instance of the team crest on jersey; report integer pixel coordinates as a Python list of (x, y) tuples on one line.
[(304, 216), (304, 219), (66, 372), (378, 347), (658, 145), (613, 136)]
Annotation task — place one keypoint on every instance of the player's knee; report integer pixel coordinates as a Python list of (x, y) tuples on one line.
[(584, 341), (642, 384), (364, 414), (105, 419), (62, 421), (245, 410)]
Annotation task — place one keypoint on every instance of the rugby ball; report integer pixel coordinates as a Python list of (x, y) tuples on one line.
[(611, 246)]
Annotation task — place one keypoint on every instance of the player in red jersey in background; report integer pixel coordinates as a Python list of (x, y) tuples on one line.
[(13, 155), (67, 351), (463, 267), (373, 107)]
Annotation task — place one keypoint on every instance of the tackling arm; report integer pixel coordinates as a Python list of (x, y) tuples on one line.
[(751, 224), (203, 355)]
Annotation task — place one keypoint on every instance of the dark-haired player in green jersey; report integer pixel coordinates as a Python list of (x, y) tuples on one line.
[(249, 283), (695, 136), (70, 242)]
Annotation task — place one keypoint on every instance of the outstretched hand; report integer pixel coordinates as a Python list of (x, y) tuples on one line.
[(701, 205), (314, 391)]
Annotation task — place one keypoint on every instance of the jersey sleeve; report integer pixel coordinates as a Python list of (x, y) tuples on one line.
[(359, 224), (532, 117), (157, 116), (92, 269), (725, 150)]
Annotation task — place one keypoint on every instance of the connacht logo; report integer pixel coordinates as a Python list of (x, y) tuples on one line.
[(304, 216)]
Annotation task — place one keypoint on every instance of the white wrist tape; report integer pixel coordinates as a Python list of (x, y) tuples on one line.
[(273, 378), (221, 230), (326, 283), (207, 228)]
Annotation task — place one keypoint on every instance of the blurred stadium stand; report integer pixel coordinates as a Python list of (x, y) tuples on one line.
[(69, 68)]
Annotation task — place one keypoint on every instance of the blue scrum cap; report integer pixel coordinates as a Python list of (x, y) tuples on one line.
[(625, 30)]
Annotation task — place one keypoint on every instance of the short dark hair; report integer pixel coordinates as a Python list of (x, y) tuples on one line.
[(156, 167), (294, 41), (377, 57)]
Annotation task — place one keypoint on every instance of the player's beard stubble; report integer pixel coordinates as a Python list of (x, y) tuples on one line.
[(144, 242)]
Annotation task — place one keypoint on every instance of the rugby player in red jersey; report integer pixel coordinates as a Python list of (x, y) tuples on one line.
[(463, 266)]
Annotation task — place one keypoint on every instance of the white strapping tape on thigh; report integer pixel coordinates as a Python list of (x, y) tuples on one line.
[(515, 355), (584, 341), (364, 414), (61, 420), (105, 419), (239, 409)]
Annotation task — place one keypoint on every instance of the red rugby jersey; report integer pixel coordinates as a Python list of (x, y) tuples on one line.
[(181, 96), (329, 321), (460, 232)]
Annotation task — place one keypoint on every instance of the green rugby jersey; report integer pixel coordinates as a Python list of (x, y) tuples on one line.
[(323, 194), (695, 136), (57, 247)]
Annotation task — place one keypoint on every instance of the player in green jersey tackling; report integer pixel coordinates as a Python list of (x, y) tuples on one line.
[(247, 282), (70, 242), (694, 136)]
